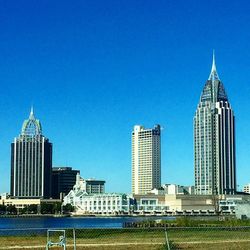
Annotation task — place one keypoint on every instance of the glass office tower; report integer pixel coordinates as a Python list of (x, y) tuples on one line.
[(214, 140), (31, 162)]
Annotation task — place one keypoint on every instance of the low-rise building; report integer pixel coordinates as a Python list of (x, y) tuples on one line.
[(108, 203), (172, 203), (178, 189), (187, 204), (150, 202), (87, 196), (22, 203), (246, 188)]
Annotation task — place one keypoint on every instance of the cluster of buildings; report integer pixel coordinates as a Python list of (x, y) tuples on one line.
[(33, 177)]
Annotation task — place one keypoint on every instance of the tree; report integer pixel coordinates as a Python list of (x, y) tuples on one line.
[(56, 207), (2, 209), (68, 208), (32, 209), (50, 208), (11, 209), (23, 210), (46, 208)]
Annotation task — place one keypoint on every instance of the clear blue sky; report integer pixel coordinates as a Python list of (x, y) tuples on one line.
[(94, 69)]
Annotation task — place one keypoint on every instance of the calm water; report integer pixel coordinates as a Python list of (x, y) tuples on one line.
[(71, 222)]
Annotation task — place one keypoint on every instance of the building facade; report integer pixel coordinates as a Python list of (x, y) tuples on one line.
[(87, 196), (95, 186), (146, 159), (246, 188), (108, 203), (178, 189), (183, 204), (31, 162), (90, 186), (63, 180), (214, 140), (22, 203), (150, 203)]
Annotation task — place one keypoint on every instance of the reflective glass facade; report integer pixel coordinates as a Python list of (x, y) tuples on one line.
[(63, 180)]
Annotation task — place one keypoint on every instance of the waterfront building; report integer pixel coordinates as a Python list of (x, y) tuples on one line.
[(87, 196), (22, 203), (246, 188), (63, 180), (182, 204), (150, 203), (107, 203), (214, 140), (173, 204), (31, 162), (146, 159)]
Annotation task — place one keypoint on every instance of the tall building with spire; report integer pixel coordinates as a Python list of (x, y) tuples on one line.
[(214, 140), (146, 159), (31, 162)]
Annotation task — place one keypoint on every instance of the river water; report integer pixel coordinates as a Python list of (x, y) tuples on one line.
[(71, 222)]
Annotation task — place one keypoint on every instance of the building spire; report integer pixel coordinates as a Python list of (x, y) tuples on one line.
[(213, 75), (213, 65), (32, 117), (32, 126)]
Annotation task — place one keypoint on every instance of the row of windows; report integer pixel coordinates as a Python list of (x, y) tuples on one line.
[(100, 202), (100, 208)]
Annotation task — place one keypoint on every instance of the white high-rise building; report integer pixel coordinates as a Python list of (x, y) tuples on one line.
[(146, 159)]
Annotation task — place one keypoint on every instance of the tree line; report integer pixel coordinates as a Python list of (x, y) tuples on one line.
[(43, 208)]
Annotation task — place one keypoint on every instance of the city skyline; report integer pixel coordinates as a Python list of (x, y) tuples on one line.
[(93, 71)]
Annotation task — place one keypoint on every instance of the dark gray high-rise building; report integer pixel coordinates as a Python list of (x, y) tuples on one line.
[(63, 180), (214, 140), (31, 162)]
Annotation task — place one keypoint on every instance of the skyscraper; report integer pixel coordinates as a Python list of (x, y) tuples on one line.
[(214, 140), (31, 162), (63, 180), (146, 159)]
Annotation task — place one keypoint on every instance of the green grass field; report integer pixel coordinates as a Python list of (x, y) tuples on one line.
[(143, 238)]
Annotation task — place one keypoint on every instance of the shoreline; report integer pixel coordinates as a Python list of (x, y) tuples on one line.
[(198, 216)]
